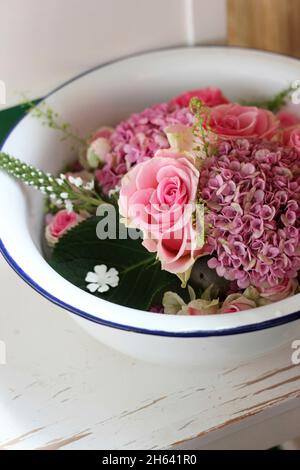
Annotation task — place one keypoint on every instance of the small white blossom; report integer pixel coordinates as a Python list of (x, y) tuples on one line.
[(53, 197), (68, 205), (59, 181), (89, 185), (114, 191), (58, 202), (62, 176), (76, 181), (102, 279), (64, 195), (49, 188)]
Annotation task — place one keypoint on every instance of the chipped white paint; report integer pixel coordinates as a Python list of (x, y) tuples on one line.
[(61, 389)]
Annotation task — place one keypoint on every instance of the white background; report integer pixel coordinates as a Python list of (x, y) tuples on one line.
[(42, 44)]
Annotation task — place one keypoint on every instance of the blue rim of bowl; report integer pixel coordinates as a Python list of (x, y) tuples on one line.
[(285, 319)]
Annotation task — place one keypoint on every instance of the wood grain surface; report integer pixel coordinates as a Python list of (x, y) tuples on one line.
[(272, 25), (60, 389)]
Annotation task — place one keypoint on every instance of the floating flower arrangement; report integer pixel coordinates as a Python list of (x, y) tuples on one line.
[(190, 207)]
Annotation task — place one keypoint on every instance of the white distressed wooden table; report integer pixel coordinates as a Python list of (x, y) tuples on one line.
[(60, 389)]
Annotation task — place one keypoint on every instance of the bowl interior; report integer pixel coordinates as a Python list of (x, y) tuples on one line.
[(104, 96)]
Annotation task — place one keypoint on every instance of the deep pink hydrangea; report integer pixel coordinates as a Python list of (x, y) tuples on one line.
[(138, 138), (252, 192)]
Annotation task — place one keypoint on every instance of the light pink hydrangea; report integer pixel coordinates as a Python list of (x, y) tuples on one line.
[(252, 191), (138, 138)]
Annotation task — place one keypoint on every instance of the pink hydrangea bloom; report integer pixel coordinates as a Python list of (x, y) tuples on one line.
[(252, 191), (138, 138), (210, 96)]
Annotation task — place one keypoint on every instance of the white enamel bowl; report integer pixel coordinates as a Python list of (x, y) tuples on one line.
[(104, 96)]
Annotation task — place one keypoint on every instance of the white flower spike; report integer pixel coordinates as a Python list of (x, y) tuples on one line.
[(101, 279)]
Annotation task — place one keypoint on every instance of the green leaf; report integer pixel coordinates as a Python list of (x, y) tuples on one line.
[(274, 104), (142, 281)]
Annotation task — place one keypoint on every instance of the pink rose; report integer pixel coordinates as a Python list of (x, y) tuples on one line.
[(237, 303), (60, 223), (234, 121), (280, 291), (291, 137), (98, 150), (103, 132), (210, 96), (158, 197), (173, 304), (287, 119), (201, 307)]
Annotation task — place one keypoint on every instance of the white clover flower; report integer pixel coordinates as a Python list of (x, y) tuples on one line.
[(101, 279)]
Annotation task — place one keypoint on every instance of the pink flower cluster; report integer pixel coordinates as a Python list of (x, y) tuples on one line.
[(157, 196), (252, 191), (142, 134), (138, 138)]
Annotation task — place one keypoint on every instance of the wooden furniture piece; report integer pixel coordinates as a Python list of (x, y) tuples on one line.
[(60, 389), (265, 24)]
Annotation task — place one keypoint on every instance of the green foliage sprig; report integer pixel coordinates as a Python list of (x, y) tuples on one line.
[(64, 191), (274, 104), (51, 119), (201, 127)]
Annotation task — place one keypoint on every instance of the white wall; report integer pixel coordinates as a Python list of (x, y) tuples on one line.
[(45, 42)]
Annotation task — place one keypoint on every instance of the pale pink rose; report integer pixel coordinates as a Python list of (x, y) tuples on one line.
[(234, 121), (98, 150), (173, 304), (60, 223), (158, 197), (287, 119), (103, 132), (210, 96), (291, 137), (237, 303), (201, 307), (279, 292)]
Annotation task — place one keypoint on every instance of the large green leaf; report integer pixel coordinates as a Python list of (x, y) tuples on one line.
[(142, 281)]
